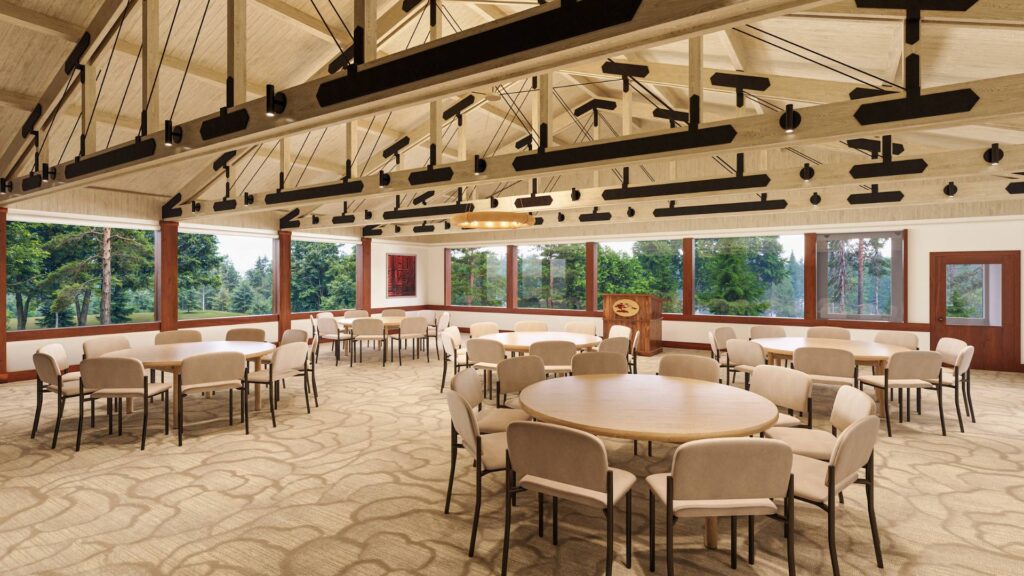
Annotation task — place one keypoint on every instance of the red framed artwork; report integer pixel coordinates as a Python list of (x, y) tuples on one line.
[(401, 275)]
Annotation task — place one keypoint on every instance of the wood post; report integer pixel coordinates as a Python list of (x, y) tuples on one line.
[(3, 293), (364, 259), (591, 250), (283, 281), (166, 257)]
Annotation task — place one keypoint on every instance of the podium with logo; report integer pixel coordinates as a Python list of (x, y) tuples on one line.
[(641, 313)]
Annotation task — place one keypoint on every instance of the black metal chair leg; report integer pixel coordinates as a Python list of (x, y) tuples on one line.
[(650, 528), (540, 514), (669, 525), (92, 413), (451, 473), (39, 408), (167, 413), (969, 394), (956, 402), (750, 540), (120, 415), (942, 414), (81, 417), (832, 532), (245, 405), (629, 529), (56, 426), (181, 416), (476, 509), (231, 407), (885, 407), (554, 520), (273, 414), (145, 421), (508, 513), (732, 542), (869, 487)]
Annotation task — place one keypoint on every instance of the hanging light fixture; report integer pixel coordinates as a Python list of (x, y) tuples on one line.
[(492, 220)]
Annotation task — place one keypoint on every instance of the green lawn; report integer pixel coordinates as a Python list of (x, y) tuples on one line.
[(33, 321)]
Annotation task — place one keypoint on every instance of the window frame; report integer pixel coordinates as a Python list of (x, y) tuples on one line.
[(898, 280), (511, 258), (589, 282), (355, 243)]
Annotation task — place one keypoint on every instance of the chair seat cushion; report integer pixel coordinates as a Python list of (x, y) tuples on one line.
[(809, 477), (72, 388), (817, 444), (494, 447), (743, 368), (71, 376), (879, 382), (787, 421), (154, 389), (494, 420), (486, 366), (837, 380), (210, 386), (559, 368), (711, 508), (263, 376), (622, 482)]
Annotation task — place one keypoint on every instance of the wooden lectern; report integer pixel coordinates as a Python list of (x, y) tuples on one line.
[(642, 313)]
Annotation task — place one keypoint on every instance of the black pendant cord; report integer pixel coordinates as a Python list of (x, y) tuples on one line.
[(508, 127), (296, 159), (184, 74), (124, 95), (252, 157), (721, 162), (106, 70), (326, 27), (375, 144), (447, 140), (70, 136), (615, 133), (160, 65), (362, 140), (49, 128), (450, 17), (342, 20), (260, 167), (487, 150), (517, 111), (311, 155)]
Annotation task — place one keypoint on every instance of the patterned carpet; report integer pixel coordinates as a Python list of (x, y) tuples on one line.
[(358, 488)]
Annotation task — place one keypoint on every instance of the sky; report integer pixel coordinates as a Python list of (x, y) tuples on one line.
[(244, 250)]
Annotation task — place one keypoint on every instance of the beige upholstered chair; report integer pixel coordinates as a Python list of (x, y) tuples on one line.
[(329, 331), (356, 314), (411, 329), (632, 353), (312, 324), (731, 477), (489, 420), (294, 335), (827, 365), (743, 356), (949, 349), (209, 373), (566, 464), (830, 332), (454, 352), (557, 355), (246, 335), (325, 314), (120, 378), (907, 340), (96, 347), (599, 363), (581, 327), (619, 331), (767, 332), (850, 406), (820, 483), (478, 329), (515, 374), (287, 361), (487, 452), (367, 330), (392, 313), (527, 326), (615, 346), (443, 321), (959, 379), (51, 363), (786, 388), (906, 370), (485, 355), (177, 337), (690, 366), (720, 337)]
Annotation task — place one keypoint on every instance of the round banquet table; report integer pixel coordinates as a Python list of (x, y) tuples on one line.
[(168, 357), (648, 407), (389, 321), (872, 353), (521, 341)]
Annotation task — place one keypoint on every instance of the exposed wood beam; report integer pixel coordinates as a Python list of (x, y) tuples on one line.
[(993, 12), (366, 18), (38, 22), (150, 64), (308, 23), (237, 49)]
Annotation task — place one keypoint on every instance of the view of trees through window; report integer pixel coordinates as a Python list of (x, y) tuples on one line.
[(323, 276), (644, 267), (553, 276), (859, 272), (223, 275), (751, 276), (479, 276), (60, 275)]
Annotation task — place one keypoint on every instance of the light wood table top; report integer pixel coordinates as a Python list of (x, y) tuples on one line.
[(172, 355), (863, 351), (389, 322), (648, 407), (521, 341)]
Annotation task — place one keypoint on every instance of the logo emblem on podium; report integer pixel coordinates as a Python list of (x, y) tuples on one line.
[(625, 307)]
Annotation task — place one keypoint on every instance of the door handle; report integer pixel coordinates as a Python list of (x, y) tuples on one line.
[(941, 319)]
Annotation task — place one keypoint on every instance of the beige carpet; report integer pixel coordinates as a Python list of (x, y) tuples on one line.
[(358, 488)]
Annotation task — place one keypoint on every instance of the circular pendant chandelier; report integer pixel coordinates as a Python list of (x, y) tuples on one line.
[(492, 220)]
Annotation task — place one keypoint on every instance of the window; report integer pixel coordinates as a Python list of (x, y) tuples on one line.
[(973, 294), (644, 267), (60, 275), (479, 276), (860, 276), (323, 276), (553, 276), (222, 275), (753, 276)]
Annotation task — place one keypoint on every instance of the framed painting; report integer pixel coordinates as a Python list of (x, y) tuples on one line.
[(401, 275)]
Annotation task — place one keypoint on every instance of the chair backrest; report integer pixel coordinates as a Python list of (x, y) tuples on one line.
[(744, 352), (854, 447), (367, 327), (528, 326), (392, 313), (467, 383), (963, 359), (455, 336), (325, 315), (581, 327), (767, 332), (554, 352), (617, 345), (636, 342), (689, 366), (464, 421), (444, 321), (905, 339), (47, 366), (288, 359), (312, 324), (619, 331), (850, 406), (413, 326), (599, 363), (517, 373), (731, 469), (831, 332), (722, 335), (914, 365), (178, 337), (356, 314), (113, 373), (59, 354), (484, 350), (540, 450), (785, 387), (213, 367), (478, 329), (96, 347), (715, 350), (429, 315), (949, 348), (327, 326), (294, 335), (825, 361), (246, 335)]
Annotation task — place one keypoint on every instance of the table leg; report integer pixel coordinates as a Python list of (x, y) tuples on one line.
[(258, 400), (711, 533), (175, 393)]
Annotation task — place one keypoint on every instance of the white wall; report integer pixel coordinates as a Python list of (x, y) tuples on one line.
[(427, 265)]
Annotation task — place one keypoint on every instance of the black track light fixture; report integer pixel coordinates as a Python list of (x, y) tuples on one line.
[(385, 179), (950, 190), (630, 212), (48, 172), (315, 219), (815, 199), (575, 195), (790, 119), (276, 101), (447, 225), (479, 165), (196, 206), (6, 186), (172, 133), (367, 215), (494, 202), (807, 172), (561, 217), (994, 154)]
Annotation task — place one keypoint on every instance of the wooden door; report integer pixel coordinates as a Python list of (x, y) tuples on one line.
[(975, 296)]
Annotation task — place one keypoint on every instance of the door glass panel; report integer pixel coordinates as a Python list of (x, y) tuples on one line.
[(974, 294)]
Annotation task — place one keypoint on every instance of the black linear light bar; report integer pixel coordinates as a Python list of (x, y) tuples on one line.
[(596, 216), (423, 228), (888, 167), (373, 230), (740, 82), (594, 106), (875, 197), (873, 147), (626, 71), (533, 201), (429, 211), (758, 205), (673, 116), (132, 152), (737, 182), (1015, 187), (456, 110), (223, 160), (315, 192), (396, 149), (290, 220)]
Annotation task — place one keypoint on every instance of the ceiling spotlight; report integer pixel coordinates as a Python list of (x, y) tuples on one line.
[(630, 212), (807, 172), (172, 133), (993, 155), (196, 206), (447, 225), (398, 229), (6, 185), (790, 119), (315, 219), (48, 172), (949, 190), (575, 195), (561, 217), (385, 179), (479, 165), (276, 101), (494, 202), (815, 199), (367, 215)]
